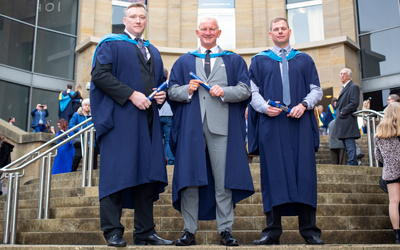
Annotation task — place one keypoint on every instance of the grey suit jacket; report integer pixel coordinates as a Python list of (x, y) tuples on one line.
[(213, 108)]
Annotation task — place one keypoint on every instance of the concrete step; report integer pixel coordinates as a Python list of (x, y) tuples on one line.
[(204, 238), (203, 247), (176, 223)]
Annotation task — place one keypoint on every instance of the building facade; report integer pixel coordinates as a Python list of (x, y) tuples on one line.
[(47, 44)]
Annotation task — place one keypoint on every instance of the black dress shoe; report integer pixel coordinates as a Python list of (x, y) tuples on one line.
[(314, 240), (116, 241), (154, 239), (227, 239), (266, 240), (187, 239)]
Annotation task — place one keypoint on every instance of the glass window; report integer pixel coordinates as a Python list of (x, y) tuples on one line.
[(50, 98), (16, 44), (14, 103), (306, 21), (385, 14), (58, 15), (24, 10), (118, 13), (129, 1), (55, 54), (380, 53), (216, 4)]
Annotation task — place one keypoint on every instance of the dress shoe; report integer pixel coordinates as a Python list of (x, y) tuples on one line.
[(187, 239), (116, 241), (397, 236), (314, 240), (266, 240), (227, 239), (154, 239)]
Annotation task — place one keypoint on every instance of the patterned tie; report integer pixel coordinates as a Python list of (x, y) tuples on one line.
[(285, 79), (142, 47), (207, 64)]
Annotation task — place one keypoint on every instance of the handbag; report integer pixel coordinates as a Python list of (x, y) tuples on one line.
[(77, 141), (383, 185)]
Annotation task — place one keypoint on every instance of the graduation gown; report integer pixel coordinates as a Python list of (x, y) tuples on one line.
[(128, 157), (192, 167), (286, 145)]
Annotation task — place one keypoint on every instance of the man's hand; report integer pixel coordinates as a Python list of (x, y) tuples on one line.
[(193, 86), (45, 106), (297, 111), (272, 111), (160, 97), (140, 100), (217, 91)]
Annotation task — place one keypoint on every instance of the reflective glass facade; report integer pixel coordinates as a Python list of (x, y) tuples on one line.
[(37, 52)]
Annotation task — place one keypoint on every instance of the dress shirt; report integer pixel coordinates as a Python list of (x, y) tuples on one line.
[(142, 37), (260, 104)]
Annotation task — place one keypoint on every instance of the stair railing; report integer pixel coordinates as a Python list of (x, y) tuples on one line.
[(369, 116), (12, 173)]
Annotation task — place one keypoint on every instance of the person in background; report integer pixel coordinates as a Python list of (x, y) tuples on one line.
[(346, 126), (393, 98), (39, 115), (52, 130), (79, 116), (322, 115), (65, 103), (11, 120), (338, 153), (387, 151), (65, 153), (76, 98), (166, 114), (5, 155), (330, 112)]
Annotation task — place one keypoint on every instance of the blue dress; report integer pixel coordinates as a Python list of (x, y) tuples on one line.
[(63, 161)]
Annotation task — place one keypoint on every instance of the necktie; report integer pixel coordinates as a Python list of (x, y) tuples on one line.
[(285, 79), (207, 64), (142, 47)]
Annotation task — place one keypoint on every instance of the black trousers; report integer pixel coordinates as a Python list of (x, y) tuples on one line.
[(307, 223), (111, 211), (78, 156)]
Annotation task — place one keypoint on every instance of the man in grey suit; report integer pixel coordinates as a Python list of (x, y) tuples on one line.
[(346, 127), (212, 120)]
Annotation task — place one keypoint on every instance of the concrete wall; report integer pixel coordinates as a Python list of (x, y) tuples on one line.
[(24, 142)]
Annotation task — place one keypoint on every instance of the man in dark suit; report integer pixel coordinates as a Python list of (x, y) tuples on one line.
[(346, 127), (39, 115), (126, 69)]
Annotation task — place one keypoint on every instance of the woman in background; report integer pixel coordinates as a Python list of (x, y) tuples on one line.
[(76, 97), (5, 155), (387, 151), (65, 153)]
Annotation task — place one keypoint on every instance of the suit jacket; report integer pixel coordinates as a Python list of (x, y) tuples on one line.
[(216, 110), (346, 124), (36, 117)]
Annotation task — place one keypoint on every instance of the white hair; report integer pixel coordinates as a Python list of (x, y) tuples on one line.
[(85, 101), (349, 73), (209, 17)]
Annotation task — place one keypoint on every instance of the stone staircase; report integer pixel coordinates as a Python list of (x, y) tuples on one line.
[(351, 210)]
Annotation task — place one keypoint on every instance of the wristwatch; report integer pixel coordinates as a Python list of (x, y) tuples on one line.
[(304, 104)]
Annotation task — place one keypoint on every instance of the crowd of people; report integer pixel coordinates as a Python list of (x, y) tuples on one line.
[(200, 128)]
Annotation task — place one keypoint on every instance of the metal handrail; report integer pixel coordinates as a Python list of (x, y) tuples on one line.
[(370, 115), (11, 172)]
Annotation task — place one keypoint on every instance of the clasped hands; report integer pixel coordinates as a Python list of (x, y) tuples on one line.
[(140, 100), (296, 112), (215, 91)]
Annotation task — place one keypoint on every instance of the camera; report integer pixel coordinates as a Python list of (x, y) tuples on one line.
[(42, 106)]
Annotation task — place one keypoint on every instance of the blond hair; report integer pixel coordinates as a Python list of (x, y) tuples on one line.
[(390, 124), (78, 88)]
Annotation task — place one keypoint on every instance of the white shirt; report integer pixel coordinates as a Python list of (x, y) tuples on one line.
[(142, 37)]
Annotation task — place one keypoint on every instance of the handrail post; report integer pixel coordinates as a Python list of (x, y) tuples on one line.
[(91, 147), (15, 210), (6, 235), (84, 164), (41, 188), (48, 185), (373, 135), (369, 142)]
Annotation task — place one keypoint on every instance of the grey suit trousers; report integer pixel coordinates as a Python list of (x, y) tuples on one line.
[(216, 145)]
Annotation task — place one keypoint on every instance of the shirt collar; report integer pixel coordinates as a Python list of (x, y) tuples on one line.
[(214, 49), (277, 50), (132, 36), (344, 85)]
